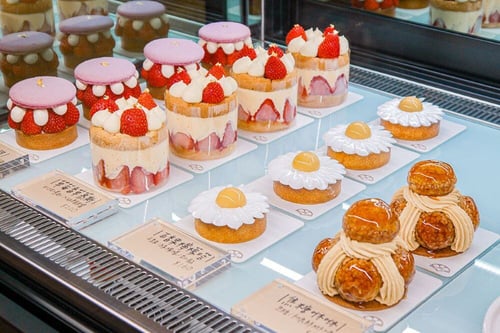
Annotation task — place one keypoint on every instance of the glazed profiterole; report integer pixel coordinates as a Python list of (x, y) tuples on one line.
[(366, 265), (436, 219)]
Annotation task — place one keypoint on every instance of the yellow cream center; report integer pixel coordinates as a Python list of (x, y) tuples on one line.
[(306, 161), (358, 130), (410, 104), (231, 197)]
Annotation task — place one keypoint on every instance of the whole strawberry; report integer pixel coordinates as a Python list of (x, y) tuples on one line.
[(133, 122), (213, 93), (296, 31), (330, 47), (55, 123), (274, 69), (103, 103), (179, 75), (28, 125)]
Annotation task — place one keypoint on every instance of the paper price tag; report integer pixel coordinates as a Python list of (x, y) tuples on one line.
[(11, 160), (283, 307), (170, 251)]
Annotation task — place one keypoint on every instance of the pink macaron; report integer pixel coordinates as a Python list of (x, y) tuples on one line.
[(224, 32), (42, 92)]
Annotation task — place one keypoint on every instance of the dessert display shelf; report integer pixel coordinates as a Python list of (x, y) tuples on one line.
[(471, 152)]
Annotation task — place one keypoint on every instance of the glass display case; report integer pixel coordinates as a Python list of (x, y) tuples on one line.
[(94, 278)]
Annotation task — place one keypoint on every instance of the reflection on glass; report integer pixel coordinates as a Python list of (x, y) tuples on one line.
[(477, 17)]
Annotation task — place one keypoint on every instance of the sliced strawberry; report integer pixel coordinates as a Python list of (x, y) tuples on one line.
[(267, 112), (274, 69), (28, 125), (229, 136), (319, 86), (99, 172), (275, 50), (145, 99), (12, 123), (133, 122), (55, 123), (121, 183), (289, 112), (330, 47), (182, 140), (217, 71), (141, 180), (179, 75), (213, 93), (72, 115), (242, 114), (161, 176), (341, 85), (208, 144), (296, 31)]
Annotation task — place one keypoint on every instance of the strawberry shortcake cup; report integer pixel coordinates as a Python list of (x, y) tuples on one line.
[(267, 90), (322, 60), (43, 113), (202, 115), (105, 76), (224, 43), (167, 60), (129, 144)]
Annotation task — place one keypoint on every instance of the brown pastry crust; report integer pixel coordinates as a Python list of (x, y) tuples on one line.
[(246, 81), (84, 50), (320, 64), (134, 40), (157, 92), (225, 234), (455, 6), (305, 196), (370, 221), (358, 280), (411, 133), (263, 126), (26, 7), (46, 141), (13, 73), (200, 110), (413, 4), (357, 162), (405, 263), (431, 178), (322, 249), (124, 142), (434, 231)]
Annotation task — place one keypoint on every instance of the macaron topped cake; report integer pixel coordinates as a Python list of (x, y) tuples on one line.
[(113, 77), (224, 43), (165, 58), (27, 15), (27, 54), (42, 112), (139, 22), (85, 37)]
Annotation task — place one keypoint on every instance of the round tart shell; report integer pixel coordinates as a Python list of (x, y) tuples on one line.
[(46, 141), (305, 196), (357, 162), (225, 234)]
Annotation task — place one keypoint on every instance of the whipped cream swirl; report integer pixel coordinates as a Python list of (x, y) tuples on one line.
[(256, 67), (110, 121), (315, 37), (205, 208), (380, 141), (390, 111), (330, 171), (193, 92)]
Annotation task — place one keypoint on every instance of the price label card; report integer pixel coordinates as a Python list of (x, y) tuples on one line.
[(12, 160), (171, 252), (283, 307), (66, 198)]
